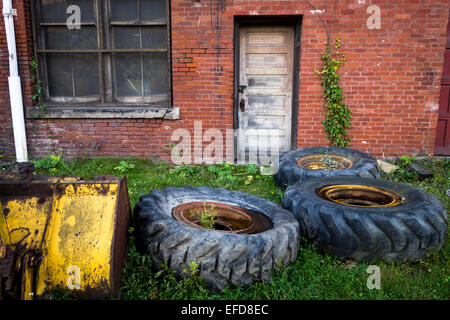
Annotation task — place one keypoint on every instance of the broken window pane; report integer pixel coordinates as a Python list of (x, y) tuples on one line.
[(124, 10), (153, 10), (154, 37), (128, 75)]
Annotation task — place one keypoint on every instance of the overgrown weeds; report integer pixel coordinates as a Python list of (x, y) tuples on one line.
[(314, 275)]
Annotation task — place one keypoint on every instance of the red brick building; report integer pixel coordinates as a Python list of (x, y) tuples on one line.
[(131, 72)]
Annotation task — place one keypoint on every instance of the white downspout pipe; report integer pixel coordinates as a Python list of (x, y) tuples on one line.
[(15, 89)]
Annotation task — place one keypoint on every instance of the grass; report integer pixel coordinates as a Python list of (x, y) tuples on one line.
[(313, 276)]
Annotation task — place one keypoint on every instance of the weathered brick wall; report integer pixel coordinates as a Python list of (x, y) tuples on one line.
[(391, 78)]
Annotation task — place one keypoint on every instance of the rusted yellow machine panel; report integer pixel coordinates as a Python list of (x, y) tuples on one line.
[(26, 219), (67, 233), (79, 237)]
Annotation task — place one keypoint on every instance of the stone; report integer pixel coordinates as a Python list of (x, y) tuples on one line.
[(423, 173), (386, 166)]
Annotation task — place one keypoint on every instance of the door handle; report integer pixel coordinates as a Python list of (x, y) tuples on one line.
[(242, 104), (242, 88)]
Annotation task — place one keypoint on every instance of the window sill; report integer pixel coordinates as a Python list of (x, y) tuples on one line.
[(104, 113)]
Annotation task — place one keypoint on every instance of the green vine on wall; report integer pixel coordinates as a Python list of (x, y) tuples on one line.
[(337, 120), (37, 96)]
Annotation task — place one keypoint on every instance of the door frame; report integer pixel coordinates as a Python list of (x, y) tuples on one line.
[(281, 20), (440, 148)]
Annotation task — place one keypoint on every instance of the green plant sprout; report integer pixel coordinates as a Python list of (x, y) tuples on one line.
[(124, 167), (193, 266), (207, 218), (52, 164)]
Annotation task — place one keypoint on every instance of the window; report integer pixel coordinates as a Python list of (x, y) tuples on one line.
[(118, 55)]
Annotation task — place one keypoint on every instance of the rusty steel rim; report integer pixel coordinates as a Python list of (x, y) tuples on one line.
[(228, 218), (324, 162), (360, 196)]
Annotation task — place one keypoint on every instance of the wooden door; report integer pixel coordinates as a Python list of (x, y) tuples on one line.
[(265, 91), (442, 146)]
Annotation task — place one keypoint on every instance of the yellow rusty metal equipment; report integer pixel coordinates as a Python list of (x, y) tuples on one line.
[(62, 232)]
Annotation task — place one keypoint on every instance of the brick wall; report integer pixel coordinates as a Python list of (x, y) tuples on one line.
[(390, 79)]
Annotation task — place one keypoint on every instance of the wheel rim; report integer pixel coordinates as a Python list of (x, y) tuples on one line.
[(324, 162), (360, 196), (221, 217)]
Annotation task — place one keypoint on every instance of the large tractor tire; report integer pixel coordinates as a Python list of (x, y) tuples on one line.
[(230, 257), (365, 219), (316, 162)]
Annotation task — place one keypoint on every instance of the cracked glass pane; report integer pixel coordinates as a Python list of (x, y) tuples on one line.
[(128, 75)]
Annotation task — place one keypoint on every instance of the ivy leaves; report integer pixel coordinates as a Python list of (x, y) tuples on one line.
[(337, 120), (38, 96)]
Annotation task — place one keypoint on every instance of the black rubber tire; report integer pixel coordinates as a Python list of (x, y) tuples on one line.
[(223, 258), (364, 165), (401, 233)]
